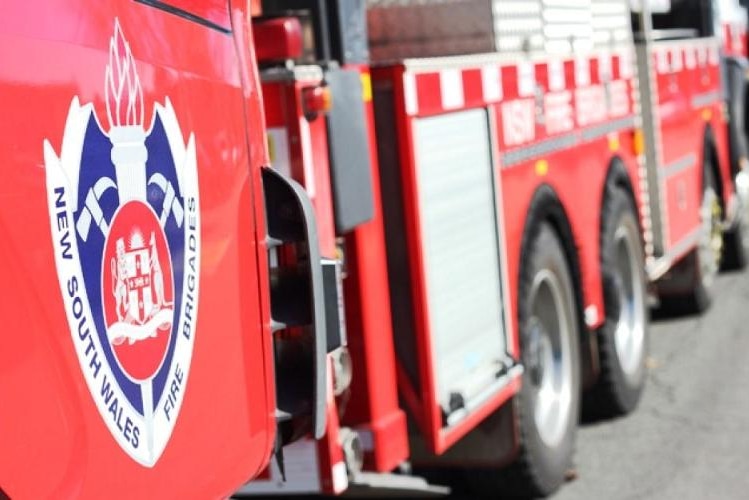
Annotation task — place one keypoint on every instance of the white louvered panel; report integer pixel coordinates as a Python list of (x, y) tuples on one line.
[(567, 26), (461, 254), (611, 23), (517, 25)]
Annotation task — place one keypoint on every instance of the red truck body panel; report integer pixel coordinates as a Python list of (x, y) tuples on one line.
[(689, 100), (373, 409), (51, 419)]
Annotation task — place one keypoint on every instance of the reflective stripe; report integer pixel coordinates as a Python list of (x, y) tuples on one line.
[(679, 165), (604, 129), (562, 142), (544, 147), (706, 99)]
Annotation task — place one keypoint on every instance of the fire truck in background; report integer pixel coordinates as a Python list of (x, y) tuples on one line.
[(500, 187)]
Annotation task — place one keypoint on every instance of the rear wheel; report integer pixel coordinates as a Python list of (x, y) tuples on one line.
[(548, 405), (709, 252), (702, 264), (623, 336)]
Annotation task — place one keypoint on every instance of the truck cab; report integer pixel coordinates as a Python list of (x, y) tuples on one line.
[(136, 357)]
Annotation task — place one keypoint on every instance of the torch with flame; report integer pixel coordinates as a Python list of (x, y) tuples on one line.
[(124, 100), (125, 113)]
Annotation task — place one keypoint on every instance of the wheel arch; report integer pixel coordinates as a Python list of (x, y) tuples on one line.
[(617, 177), (546, 206)]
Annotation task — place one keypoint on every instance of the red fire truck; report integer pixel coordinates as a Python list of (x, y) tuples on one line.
[(326, 240), (503, 185)]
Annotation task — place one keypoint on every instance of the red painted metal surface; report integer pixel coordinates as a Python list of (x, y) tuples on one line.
[(735, 39), (372, 402), (51, 52), (690, 102), (305, 146), (213, 11), (373, 408), (300, 150)]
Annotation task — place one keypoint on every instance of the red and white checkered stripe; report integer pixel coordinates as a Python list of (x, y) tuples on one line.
[(677, 56), (474, 85), (735, 39)]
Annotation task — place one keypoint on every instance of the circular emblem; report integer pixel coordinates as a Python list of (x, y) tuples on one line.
[(137, 291)]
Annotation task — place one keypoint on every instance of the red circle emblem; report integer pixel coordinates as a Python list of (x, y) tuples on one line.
[(137, 290)]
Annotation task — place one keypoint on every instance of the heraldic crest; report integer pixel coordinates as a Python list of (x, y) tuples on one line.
[(124, 209)]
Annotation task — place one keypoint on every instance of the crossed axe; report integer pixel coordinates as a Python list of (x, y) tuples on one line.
[(91, 213)]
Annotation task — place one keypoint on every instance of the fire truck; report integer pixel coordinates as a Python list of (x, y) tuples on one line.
[(502, 187), (315, 243)]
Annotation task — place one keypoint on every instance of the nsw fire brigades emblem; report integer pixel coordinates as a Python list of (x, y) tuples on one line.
[(125, 215)]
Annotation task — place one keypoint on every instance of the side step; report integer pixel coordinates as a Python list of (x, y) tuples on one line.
[(377, 485)]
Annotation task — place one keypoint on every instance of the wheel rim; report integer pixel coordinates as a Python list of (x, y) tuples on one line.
[(711, 242), (742, 189), (629, 336), (549, 358)]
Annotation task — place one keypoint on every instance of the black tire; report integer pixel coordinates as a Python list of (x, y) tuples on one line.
[(735, 252), (623, 338), (546, 452), (736, 239), (708, 255)]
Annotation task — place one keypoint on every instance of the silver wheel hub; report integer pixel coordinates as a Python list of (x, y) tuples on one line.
[(711, 241), (548, 358), (629, 335), (742, 190)]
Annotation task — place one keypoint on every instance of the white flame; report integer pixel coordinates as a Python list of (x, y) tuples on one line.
[(122, 90)]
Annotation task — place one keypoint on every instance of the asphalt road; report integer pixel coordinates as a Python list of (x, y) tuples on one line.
[(689, 439)]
